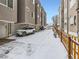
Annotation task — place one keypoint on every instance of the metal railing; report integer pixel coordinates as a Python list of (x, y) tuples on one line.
[(71, 43)]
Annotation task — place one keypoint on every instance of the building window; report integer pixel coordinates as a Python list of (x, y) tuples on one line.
[(33, 1), (40, 10), (38, 16), (74, 20), (32, 14), (70, 0), (38, 5), (3, 1), (9, 3)]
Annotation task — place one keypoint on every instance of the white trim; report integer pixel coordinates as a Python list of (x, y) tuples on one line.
[(7, 2), (6, 5), (6, 21), (26, 23), (33, 1), (3, 5)]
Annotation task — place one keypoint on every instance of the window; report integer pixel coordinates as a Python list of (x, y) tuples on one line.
[(70, 0), (33, 1), (38, 5), (40, 9), (74, 20), (33, 14), (3, 1), (38, 16), (9, 28), (9, 3)]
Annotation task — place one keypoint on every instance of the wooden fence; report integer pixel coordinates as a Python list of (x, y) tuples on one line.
[(70, 42)]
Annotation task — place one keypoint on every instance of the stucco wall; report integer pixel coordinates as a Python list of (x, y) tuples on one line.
[(3, 31), (7, 13)]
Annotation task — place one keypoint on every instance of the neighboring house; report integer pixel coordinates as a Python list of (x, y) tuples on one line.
[(37, 14), (15, 14), (26, 15), (40, 15), (62, 15), (72, 16), (56, 20), (43, 17), (65, 15), (8, 17), (60, 18)]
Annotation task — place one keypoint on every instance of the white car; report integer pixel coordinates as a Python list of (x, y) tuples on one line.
[(25, 31)]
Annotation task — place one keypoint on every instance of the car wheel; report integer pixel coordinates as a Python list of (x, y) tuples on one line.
[(17, 35), (33, 32), (24, 33)]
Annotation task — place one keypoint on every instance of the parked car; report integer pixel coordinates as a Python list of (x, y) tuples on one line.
[(42, 28), (25, 31)]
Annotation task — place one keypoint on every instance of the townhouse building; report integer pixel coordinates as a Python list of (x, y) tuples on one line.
[(70, 18), (38, 17), (26, 13), (65, 15), (16, 14), (8, 17), (62, 15), (77, 17), (69, 10), (73, 15), (43, 17), (59, 17), (56, 21)]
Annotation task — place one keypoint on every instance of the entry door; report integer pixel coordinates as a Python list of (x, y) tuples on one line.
[(9, 29)]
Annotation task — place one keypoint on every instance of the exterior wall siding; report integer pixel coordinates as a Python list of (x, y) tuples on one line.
[(26, 12), (8, 17), (65, 15), (19, 13), (38, 14), (9, 14), (72, 14)]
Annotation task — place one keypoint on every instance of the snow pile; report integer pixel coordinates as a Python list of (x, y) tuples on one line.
[(42, 45)]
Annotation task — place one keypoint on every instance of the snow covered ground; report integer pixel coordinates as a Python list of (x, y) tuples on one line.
[(41, 45)]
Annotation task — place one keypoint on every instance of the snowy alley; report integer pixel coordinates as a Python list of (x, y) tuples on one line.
[(41, 45)]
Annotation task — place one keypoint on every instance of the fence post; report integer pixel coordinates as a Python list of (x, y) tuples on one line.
[(61, 36), (74, 48), (69, 47), (78, 48)]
